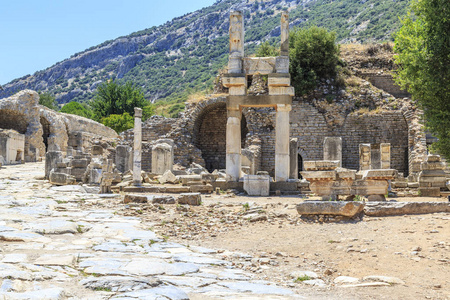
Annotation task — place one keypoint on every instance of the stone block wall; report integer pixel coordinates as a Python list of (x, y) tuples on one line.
[(211, 138), (308, 125), (386, 83), (386, 127)]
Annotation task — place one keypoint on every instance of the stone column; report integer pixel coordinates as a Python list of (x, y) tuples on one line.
[(137, 179), (365, 159), (385, 149), (236, 43), (233, 159), (293, 158), (282, 142), (284, 49)]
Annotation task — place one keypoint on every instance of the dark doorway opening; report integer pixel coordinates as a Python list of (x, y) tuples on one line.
[(300, 166), (46, 131)]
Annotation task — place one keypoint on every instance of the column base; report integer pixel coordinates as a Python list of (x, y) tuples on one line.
[(282, 167), (233, 163)]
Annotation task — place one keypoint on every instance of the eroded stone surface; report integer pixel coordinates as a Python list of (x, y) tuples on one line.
[(53, 249)]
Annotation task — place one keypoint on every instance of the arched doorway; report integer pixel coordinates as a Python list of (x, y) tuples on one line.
[(46, 131), (300, 166), (210, 135), (11, 119)]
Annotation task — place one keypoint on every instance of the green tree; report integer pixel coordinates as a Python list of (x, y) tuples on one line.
[(267, 50), (76, 108), (119, 122), (47, 100), (114, 98), (313, 55), (423, 55)]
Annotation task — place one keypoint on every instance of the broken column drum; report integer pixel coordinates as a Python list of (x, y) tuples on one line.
[(280, 96)]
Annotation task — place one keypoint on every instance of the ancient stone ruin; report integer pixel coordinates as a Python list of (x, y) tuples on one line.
[(257, 138)]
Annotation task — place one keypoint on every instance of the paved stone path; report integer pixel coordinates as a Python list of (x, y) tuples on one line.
[(51, 249)]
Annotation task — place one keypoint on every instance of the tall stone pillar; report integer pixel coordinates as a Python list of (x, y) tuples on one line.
[(282, 142), (365, 157), (284, 49), (235, 60), (293, 158), (233, 159), (137, 179), (385, 157)]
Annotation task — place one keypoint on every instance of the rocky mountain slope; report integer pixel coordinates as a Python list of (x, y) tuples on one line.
[(183, 55)]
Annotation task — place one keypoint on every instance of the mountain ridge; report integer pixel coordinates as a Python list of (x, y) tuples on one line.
[(183, 55)]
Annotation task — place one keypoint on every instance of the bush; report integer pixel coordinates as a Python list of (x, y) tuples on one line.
[(78, 109), (114, 98), (314, 55), (267, 50), (47, 100), (119, 122)]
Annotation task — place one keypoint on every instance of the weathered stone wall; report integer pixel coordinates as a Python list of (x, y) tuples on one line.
[(211, 138), (156, 127), (23, 113), (199, 135), (386, 127), (310, 127), (386, 83)]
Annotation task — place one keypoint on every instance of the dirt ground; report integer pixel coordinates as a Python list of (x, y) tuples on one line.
[(267, 237)]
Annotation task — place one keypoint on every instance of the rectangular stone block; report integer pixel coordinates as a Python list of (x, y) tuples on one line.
[(369, 187), (190, 198), (432, 165), (385, 157), (259, 65), (318, 175), (186, 178), (315, 165), (231, 81), (61, 179), (282, 64), (177, 189), (281, 90), (200, 188), (364, 157), (279, 81), (387, 174), (398, 184), (257, 185), (332, 149), (237, 90), (429, 191)]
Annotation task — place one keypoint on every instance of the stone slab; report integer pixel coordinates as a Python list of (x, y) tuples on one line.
[(429, 191), (284, 186), (340, 208), (380, 209)]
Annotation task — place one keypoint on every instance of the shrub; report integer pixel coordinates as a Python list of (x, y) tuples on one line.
[(119, 122), (314, 55)]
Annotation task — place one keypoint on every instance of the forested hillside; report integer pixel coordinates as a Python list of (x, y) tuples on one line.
[(184, 55)]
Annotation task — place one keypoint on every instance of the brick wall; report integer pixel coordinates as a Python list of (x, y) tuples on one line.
[(386, 127), (211, 138)]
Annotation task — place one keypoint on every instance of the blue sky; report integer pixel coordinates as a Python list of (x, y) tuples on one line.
[(35, 34)]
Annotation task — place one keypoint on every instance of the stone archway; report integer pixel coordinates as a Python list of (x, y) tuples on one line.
[(301, 158), (210, 134), (46, 131), (12, 119)]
